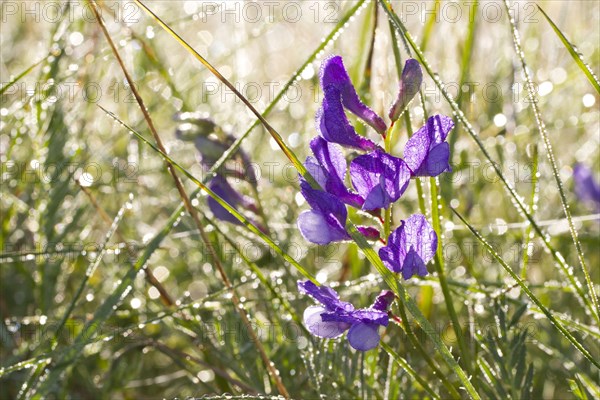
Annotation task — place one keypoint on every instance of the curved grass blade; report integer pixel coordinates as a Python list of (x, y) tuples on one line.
[(516, 199), (552, 159), (557, 324), (577, 56)]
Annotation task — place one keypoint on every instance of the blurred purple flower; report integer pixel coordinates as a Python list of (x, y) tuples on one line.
[(586, 188), (379, 178), (325, 222), (426, 152), (410, 83), (223, 189), (334, 317), (328, 167), (339, 93), (410, 247)]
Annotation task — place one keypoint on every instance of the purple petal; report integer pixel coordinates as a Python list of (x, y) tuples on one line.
[(315, 324), (334, 126), (324, 295), (586, 188), (383, 301), (380, 178), (412, 77), (363, 336), (223, 189), (371, 316), (321, 229), (410, 247), (324, 202), (333, 74), (425, 152), (317, 172), (368, 232), (333, 166)]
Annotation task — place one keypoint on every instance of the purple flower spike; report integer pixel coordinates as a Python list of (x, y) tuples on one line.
[(333, 74), (328, 167), (412, 77), (379, 178), (586, 188), (426, 152), (410, 247), (334, 126), (223, 189), (334, 316)]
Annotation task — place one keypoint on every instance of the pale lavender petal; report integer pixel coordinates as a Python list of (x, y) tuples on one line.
[(334, 126), (416, 149), (315, 324), (321, 229), (363, 336), (410, 247), (412, 77), (333, 74)]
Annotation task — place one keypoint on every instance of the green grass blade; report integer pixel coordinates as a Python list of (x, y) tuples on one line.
[(557, 324), (577, 56), (531, 91)]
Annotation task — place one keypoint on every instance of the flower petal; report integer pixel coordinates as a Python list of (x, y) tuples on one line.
[(324, 295), (316, 228), (333, 74), (383, 301), (586, 188), (412, 77), (333, 165), (426, 153), (334, 126), (380, 178), (410, 247), (315, 324), (363, 336)]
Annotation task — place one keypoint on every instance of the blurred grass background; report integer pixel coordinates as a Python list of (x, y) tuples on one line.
[(64, 160)]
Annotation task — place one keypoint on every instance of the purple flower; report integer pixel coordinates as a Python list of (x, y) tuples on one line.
[(333, 74), (411, 80), (223, 189), (586, 188), (328, 167), (410, 247), (334, 317), (426, 152), (339, 93), (379, 178), (325, 222)]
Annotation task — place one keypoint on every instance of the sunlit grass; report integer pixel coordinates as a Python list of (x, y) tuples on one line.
[(110, 289)]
